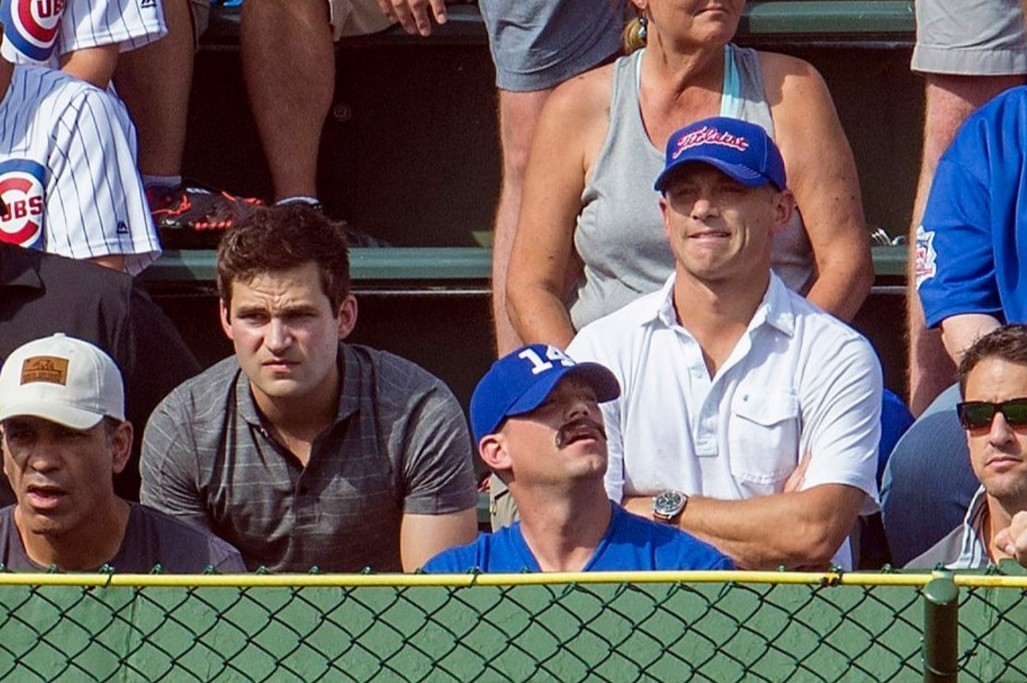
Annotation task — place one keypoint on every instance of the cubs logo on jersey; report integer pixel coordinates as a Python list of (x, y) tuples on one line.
[(30, 28), (23, 195)]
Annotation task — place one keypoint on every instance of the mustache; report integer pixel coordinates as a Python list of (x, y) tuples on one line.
[(576, 428)]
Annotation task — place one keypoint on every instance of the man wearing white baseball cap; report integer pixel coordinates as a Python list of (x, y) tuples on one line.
[(62, 418), (536, 419)]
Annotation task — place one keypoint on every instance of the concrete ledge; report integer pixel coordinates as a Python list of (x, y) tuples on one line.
[(845, 22), (425, 266)]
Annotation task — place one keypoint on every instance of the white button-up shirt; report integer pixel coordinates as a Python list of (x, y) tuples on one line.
[(797, 381)]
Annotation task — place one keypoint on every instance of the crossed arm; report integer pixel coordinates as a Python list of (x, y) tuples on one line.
[(796, 530)]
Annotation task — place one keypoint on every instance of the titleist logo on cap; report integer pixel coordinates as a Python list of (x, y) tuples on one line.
[(49, 369), (709, 136)]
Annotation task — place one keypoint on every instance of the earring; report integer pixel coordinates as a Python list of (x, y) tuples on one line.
[(643, 28)]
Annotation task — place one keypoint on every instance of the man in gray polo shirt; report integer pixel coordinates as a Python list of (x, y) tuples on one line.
[(300, 450)]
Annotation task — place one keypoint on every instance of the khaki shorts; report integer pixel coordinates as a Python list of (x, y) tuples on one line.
[(970, 37), (348, 17)]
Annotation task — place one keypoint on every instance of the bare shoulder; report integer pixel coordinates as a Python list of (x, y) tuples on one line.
[(785, 77), (584, 98)]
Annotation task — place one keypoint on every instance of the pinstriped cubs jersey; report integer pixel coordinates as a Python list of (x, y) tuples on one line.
[(40, 31), (68, 178)]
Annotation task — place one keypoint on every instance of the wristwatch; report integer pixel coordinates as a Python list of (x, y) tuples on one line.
[(668, 505)]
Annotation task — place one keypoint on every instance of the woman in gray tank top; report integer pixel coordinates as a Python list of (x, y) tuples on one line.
[(590, 237)]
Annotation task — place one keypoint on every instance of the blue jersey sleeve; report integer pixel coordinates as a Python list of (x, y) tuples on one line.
[(970, 245), (955, 263), (454, 561)]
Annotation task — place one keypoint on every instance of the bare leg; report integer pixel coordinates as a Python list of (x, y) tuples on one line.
[(289, 66), (518, 116), (154, 81), (949, 100)]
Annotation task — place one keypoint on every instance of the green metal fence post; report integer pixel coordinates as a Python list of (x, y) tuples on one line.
[(941, 631)]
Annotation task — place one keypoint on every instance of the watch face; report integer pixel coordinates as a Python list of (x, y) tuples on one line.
[(668, 504)]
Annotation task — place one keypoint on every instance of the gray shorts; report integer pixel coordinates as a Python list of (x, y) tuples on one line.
[(348, 17), (970, 37), (538, 44)]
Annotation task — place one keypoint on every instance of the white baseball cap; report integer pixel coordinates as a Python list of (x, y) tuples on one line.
[(61, 379)]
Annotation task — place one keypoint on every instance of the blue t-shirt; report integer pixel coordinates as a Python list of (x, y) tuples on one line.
[(631, 543), (970, 249)]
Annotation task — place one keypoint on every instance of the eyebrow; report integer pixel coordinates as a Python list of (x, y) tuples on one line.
[(283, 310)]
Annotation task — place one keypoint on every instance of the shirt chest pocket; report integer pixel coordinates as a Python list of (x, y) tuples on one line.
[(763, 433)]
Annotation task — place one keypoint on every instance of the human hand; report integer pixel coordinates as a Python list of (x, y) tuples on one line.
[(1013, 539), (412, 15), (797, 478)]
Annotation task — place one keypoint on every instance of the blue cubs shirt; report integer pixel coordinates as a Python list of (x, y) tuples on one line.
[(631, 543), (971, 246)]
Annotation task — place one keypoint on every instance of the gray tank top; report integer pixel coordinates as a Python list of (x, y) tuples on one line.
[(619, 235)]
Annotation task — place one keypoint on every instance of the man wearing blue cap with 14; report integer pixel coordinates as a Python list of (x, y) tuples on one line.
[(536, 418), (748, 417)]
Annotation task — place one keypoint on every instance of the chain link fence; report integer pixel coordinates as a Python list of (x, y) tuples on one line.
[(728, 626)]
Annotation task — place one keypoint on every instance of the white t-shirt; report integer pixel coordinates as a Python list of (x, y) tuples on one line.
[(797, 381)]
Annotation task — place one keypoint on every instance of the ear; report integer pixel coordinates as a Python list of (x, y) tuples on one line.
[(784, 207), (121, 443), (8, 460), (226, 325), (640, 5), (492, 449), (347, 316), (664, 208)]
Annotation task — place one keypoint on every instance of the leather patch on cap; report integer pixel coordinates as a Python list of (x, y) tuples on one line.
[(45, 369)]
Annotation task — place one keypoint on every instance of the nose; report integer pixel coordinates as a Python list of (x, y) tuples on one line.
[(43, 457), (278, 337), (580, 407), (703, 208), (1000, 432)]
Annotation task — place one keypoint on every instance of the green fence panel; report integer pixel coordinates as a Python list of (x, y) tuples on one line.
[(562, 632)]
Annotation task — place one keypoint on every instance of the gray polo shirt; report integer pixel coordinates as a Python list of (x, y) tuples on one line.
[(399, 445)]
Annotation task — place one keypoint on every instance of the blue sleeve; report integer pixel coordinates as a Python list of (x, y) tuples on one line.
[(955, 262), (955, 259), (702, 555), (454, 561)]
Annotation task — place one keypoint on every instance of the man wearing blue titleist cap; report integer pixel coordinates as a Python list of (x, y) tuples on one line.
[(748, 416), (536, 418)]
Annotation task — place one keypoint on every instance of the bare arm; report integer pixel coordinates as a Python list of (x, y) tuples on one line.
[(798, 530), (958, 332), (421, 537), (822, 174), (94, 64), (542, 249)]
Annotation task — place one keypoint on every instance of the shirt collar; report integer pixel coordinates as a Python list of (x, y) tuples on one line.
[(974, 552), (775, 309)]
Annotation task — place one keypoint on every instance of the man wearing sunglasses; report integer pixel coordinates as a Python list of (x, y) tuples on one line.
[(993, 413)]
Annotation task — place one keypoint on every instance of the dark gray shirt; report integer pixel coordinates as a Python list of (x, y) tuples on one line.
[(399, 445), (151, 538)]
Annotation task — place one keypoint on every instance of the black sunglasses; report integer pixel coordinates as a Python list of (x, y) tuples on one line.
[(976, 415)]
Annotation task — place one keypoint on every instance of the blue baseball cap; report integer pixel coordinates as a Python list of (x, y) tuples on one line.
[(738, 148), (520, 381)]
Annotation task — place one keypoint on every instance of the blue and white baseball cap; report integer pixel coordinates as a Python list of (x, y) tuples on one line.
[(738, 148), (520, 381)]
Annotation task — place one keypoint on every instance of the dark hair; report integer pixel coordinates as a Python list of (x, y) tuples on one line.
[(1008, 343), (278, 238)]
